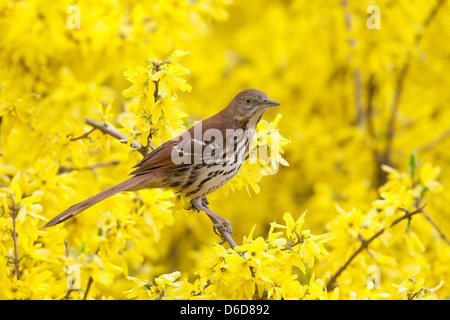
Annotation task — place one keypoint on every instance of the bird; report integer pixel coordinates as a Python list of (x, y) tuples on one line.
[(197, 162)]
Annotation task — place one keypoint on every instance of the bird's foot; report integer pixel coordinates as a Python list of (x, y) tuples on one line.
[(224, 226)]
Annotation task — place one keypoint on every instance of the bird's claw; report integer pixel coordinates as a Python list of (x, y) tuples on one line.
[(225, 227)]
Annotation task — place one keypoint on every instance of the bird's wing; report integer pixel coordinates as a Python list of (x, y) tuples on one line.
[(179, 153), (197, 145)]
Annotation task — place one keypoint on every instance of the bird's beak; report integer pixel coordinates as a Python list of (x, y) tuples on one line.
[(270, 103)]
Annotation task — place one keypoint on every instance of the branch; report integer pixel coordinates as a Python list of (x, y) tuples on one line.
[(395, 106), (88, 287), (92, 167), (90, 280), (293, 244), (13, 212), (223, 233), (359, 103), (69, 289), (357, 75), (431, 144), (107, 129), (365, 243), (371, 88), (441, 234), (400, 82), (156, 93), (380, 176), (84, 135), (227, 237)]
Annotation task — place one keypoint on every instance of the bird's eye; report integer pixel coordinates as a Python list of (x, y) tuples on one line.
[(247, 101)]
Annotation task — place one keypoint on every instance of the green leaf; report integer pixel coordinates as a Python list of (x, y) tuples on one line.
[(412, 165), (83, 248)]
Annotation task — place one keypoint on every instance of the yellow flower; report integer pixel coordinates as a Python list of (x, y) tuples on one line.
[(391, 202), (139, 76), (413, 289), (167, 279), (428, 175)]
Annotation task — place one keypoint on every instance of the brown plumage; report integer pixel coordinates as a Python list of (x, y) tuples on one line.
[(197, 162)]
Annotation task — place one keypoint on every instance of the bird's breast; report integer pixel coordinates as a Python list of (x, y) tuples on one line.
[(210, 175)]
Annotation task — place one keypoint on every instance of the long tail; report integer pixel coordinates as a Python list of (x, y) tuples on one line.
[(80, 207)]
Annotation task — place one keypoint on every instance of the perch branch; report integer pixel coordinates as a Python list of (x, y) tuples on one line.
[(223, 233)]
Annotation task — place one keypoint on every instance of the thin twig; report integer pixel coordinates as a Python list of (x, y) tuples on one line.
[(371, 88), (13, 212), (69, 289), (88, 287), (293, 244), (365, 243), (156, 92), (66, 245), (92, 167), (431, 144), (386, 157), (359, 103), (90, 280), (441, 234), (224, 234), (84, 135), (394, 113)]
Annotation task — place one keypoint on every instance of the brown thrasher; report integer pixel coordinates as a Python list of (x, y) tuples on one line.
[(209, 154)]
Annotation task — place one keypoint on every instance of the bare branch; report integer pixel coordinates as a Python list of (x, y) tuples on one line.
[(365, 243), (431, 144), (371, 87), (107, 129), (84, 135), (92, 167), (293, 244), (385, 158), (395, 106), (90, 280), (441, 234), (224, 234), (13, 212), (359, 103), (88, 287), (69, 289)]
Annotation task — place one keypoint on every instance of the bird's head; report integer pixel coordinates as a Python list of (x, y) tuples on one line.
[(249, 105)]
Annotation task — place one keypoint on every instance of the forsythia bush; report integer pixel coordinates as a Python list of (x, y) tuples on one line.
[(351, 203)]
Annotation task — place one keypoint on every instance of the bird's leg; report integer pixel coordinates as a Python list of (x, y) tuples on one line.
[(215, 218), (219, 221), (222, 226), (216, 222)]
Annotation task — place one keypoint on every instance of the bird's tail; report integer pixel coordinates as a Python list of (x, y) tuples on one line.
[(80, 207)]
